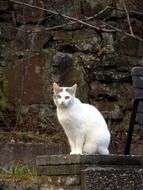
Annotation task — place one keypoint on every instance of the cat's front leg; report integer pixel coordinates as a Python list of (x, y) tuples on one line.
[(76, 148), (72, 146), (79, 143)]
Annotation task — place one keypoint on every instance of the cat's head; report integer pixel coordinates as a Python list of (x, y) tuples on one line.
[(63, 96)]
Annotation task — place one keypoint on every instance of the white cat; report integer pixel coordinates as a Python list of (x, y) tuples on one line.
[(83, 124)]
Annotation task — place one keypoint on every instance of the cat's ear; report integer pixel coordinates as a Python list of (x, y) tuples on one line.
[(56, 88), (73, 88)]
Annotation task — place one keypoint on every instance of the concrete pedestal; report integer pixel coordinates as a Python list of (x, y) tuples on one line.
[(90, 172)]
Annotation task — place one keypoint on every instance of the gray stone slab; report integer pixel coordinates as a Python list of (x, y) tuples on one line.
[(58, 170), (89, 159)]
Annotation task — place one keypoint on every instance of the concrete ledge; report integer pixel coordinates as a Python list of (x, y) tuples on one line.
[(89, 159), (90, 172)]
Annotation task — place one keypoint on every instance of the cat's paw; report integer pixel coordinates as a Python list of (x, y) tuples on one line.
[(75, 152), (72, 152)]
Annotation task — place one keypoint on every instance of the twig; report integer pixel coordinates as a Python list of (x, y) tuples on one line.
[(128, 18), (99, 13), (129, 11), (69, 23), (121, 31)]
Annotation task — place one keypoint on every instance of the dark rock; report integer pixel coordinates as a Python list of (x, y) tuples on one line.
[(4, 5), (62, 60), (131, 47)]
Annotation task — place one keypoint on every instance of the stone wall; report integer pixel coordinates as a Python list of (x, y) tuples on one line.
[(90, 172), (26, 153), (34, 52)]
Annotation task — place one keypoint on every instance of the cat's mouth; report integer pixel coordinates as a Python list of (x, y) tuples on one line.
[(62, 104)]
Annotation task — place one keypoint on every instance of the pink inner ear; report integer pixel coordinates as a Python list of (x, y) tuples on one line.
[(56, 88), (73, 88)]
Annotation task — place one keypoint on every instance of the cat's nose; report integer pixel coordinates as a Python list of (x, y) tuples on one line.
[(62, 103)]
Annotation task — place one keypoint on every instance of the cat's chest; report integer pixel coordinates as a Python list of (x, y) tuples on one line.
[(68, 117)]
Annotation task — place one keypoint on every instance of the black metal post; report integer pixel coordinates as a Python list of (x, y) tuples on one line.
[(131, 126)]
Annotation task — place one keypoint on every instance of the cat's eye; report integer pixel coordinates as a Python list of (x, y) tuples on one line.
[(58, 96), (67, 97)]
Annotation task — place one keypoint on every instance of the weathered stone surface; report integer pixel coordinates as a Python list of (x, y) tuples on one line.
[(94, 171), (25, 153), (88, 159), (58, 170), (31, 38), (91, 7), (64, 180), (7, 54), (25, 14), (72, 7), (52, 187), (7, 31), (102, 92), (86, 40), (131, 47), (112, 178), (27, 78), (62, 60)]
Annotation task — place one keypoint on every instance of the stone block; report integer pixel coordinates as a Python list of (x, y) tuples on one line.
[(58, 170), (25, 153), (64, 180)]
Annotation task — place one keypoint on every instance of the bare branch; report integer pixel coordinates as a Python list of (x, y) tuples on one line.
[(129, 11), (99, 13), (121, 31), (63, 15), (128, 18), (75, 20)]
